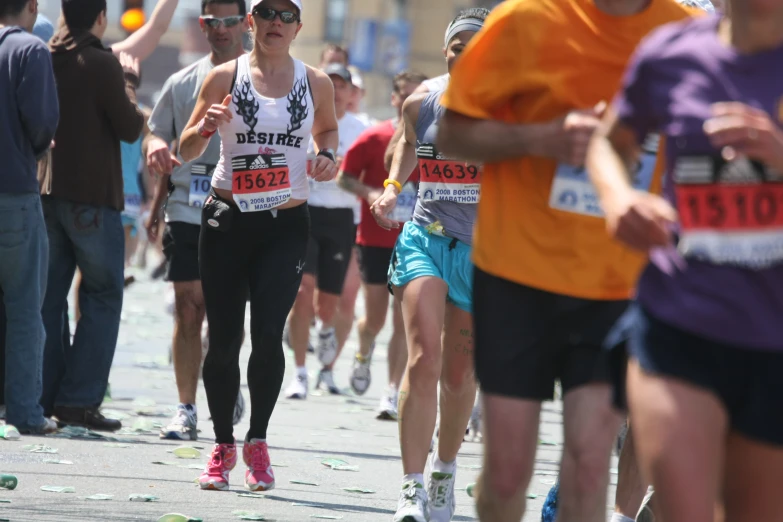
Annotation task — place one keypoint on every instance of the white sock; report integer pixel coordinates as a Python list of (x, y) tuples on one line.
[(301, 371), (415, 477), (443, 467), (617, 517), (325, 330)]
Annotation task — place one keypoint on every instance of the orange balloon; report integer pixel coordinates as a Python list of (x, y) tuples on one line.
[(132, 20)]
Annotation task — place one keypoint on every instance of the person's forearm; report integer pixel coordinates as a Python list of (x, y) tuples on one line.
[(143, 42), (192, 145), (353, 185), (490, 141), (388, 156), (160, 195), (327, 140), (606, 168), (403, 163)]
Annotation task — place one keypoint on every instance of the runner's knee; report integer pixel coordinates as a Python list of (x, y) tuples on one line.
[(424, 369)]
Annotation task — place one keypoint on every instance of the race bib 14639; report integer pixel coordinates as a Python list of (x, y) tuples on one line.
[(730, 212), (442, 179), (260, 181)]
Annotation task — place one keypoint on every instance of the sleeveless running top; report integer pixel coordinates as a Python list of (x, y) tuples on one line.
[(448, 190), (439, 83), (265, 136)]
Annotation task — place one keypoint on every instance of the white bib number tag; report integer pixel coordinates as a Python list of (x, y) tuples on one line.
[(406, 203), (132, 205), (260, 182), (572, 191), (200, 181)]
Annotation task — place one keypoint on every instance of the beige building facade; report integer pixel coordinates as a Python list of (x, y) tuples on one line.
[(340, 22)]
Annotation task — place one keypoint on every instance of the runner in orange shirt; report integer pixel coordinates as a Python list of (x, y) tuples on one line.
[(549, 282)]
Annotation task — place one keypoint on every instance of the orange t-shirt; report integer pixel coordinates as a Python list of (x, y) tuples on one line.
[(534, 61)]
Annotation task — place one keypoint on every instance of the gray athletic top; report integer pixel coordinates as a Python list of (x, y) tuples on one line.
[(455, 217)]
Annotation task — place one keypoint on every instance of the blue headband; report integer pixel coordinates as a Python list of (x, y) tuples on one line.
[(467, 24)]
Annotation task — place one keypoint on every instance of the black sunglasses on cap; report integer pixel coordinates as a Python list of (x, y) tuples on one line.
[(265, 13), (228, 21)]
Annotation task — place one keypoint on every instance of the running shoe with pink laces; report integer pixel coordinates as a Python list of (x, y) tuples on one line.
[(259, 476), (221, 462)]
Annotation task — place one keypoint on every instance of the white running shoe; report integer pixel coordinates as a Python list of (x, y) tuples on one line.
[(327, 347), (239, 408), (387, 410), (326, 382), (440, 492), (182, 427), (298, 388), (412, 506), (361, 377), (646, 513), (474, 426)]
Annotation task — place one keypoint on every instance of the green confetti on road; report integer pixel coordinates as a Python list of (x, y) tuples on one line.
[(116, 445), (55, 461), (4, 501), (142, 498), (354, 489), (331, 463), (99, 496), (165, 463), (176, 517), (249, 495), (58, 489), (248, 515), (469, 466), (39, 448), (532, 496), (326, 517), (306, 504), (302, 482), (186, 452), (547, 442)]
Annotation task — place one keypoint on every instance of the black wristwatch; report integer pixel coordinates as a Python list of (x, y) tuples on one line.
[(328, 153)]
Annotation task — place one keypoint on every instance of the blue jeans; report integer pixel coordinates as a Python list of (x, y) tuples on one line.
[(91, 238), (24, 257)]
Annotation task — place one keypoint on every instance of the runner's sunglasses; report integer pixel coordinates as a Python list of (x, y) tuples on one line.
[(228, 21), (287, 17)]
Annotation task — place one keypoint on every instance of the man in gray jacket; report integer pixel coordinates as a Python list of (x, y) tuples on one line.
[(29, 113)]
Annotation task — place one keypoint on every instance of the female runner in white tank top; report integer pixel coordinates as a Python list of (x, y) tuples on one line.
[(255, 222)]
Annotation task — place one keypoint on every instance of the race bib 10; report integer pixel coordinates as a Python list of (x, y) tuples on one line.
[(200, 181), (260, 181), (730, 212), (443, 179)]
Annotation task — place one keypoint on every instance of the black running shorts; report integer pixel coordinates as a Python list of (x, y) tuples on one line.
[(180, 246), (332, 236), (526, 338), (374, 264)]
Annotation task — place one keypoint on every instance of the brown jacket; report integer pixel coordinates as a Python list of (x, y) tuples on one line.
[(97, 109)]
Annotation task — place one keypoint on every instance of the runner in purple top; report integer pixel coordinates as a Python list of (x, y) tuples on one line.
[(706, 337)]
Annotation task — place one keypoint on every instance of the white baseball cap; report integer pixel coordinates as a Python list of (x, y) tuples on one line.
[(297, 3)]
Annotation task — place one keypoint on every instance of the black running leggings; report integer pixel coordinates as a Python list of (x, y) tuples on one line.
[(261, 256)]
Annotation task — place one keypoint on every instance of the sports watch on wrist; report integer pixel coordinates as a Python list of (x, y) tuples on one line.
[(328, 153)]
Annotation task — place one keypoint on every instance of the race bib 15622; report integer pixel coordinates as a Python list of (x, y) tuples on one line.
[(260, 182), (730, 212), (442, 179)]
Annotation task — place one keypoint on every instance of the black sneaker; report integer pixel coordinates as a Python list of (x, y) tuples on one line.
[(90, 418)]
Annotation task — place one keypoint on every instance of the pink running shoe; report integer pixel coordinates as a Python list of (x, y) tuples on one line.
[(223, 460), (259, 476)]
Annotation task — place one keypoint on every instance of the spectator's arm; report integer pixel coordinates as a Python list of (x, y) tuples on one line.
[(118, 99), (143, 42), (36, 94)]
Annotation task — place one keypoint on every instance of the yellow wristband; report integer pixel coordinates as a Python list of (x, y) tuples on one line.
[(393, 182)]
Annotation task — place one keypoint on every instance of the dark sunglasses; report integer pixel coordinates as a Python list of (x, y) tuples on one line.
[(228, 21), (287, 17)]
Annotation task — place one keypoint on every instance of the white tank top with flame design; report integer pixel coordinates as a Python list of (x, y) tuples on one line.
[(276, 129)]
